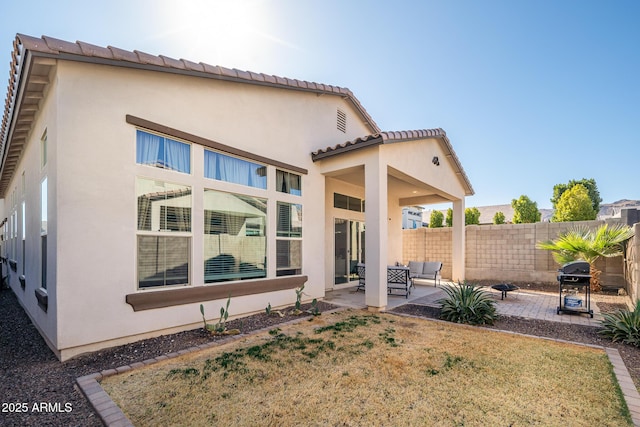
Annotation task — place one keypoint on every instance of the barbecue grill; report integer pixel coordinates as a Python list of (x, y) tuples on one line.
[(575, 288)]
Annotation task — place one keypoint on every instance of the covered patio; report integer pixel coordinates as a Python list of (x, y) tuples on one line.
[(389, 171)]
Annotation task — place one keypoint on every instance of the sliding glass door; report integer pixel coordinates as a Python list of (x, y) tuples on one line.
[(349, 249)]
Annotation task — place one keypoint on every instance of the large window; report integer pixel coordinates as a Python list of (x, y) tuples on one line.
[(235, 246), (289, 242), (164, 227), (287, 182), (231, 169), (161, 152)]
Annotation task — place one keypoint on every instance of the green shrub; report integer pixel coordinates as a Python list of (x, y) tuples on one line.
[(471, 216), (623, 326), (467, 303), (435, 221)]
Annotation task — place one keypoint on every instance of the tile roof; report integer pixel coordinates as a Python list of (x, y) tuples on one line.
[(399, 136), (49, 47), (375, 139), (84, 51)]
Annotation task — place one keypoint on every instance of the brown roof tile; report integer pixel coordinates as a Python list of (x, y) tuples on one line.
[(227, 71), (146, 58), (123, 55), (270, 78), (31, 43), (256, 76), (193, 66), (62, 46), (211, 69), (243, 74), (173, 63), (97, 51)]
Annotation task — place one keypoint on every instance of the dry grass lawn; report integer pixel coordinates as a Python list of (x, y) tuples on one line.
[(353, 368)]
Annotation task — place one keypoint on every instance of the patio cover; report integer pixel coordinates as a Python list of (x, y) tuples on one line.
[(399, 169)]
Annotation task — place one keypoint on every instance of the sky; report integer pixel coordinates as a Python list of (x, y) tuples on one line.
[(531, 93)]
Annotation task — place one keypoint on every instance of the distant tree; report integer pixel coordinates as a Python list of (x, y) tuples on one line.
[(589, 184), (498, 218), (471, 216), (525, 211), (449, 219), (574, 205), (436, 219)]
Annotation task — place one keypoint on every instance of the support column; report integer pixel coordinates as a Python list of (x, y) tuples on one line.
[(377, 224), (458, 242)]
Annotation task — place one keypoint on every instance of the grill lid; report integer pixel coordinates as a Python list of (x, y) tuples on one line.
[(575, 267)]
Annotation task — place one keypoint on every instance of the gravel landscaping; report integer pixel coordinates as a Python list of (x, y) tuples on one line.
[(38, 390)]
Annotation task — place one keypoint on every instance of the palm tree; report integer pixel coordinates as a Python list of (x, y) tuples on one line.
[(581, 243)]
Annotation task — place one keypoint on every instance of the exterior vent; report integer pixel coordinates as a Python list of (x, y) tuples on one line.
[(342, 121)]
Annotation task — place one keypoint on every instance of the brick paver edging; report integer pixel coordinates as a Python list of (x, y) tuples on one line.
[(111, 414)]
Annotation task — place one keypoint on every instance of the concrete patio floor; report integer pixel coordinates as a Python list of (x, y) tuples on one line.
[(521, 303)]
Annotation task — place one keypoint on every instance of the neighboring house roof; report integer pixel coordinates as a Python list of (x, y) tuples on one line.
[(400, 136), (17, 120), (488, 212)]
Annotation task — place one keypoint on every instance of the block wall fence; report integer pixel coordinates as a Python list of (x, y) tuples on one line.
[(508, 253)]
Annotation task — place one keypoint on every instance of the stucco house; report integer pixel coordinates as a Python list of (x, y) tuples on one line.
[(136, 187)]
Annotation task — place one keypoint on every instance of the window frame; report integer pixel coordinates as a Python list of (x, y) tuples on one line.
[(161, 161), (180, 190), (285, 184), (289, 236), (241, 269), (260, 183)]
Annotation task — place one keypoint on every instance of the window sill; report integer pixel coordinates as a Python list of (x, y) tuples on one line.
[(147, 300)]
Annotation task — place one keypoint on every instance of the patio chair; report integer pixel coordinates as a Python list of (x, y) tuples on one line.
[(360, 270), (398, 280)]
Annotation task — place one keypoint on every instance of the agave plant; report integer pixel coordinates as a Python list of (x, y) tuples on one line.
[(623, 326), (581, 243), (467, 303)]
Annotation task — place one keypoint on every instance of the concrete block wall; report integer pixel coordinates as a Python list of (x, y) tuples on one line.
[(501, 248), (428, 244), (503, 252)]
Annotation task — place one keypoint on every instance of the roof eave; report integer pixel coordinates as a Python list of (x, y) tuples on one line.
[(396, 137)]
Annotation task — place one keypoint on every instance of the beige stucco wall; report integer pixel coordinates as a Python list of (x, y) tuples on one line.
[(503, 252), (30, 167), (92, 172), (632, 264)]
